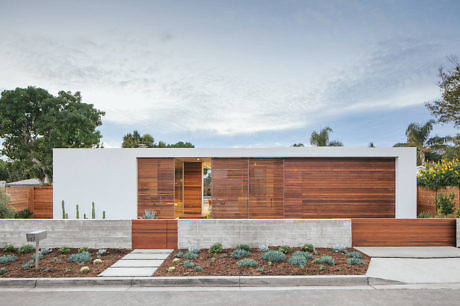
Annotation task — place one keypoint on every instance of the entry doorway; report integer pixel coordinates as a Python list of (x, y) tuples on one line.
[(188, 193)]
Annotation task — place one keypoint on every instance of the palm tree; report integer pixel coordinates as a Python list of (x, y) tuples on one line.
[(417, 136), (321, 139)]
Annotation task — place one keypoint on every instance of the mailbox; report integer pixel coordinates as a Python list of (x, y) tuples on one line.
[(36, 236)]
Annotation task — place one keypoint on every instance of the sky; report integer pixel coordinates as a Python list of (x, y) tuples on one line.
[(237, 73)]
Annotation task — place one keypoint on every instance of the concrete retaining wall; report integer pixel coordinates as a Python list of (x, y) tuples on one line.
[(71, 233), (203, 233)]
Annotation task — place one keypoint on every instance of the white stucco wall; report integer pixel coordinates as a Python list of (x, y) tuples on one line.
[(109, 176)]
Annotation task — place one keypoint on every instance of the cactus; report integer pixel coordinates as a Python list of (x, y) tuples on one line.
[(78, 212), (103, 214), (84, 216), (63, 209), (93, 211)]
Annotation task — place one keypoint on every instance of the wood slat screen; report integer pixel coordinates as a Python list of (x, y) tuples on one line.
[(230, 187), (154, 234), (192, 188), (266, 188), (339, 187), (43, 202), (155, 186), (403, 232)]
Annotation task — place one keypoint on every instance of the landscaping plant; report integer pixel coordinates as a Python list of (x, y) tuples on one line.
[(239, 253), (215, 248), (2, 270), (300, 261), (324, 260), (440, 174), (64, 250), (6, 212), (198, 269), (263, 248), (339, 249), (193, 249), (84, 269), (260, 269), (179, 254), (25, 249), (82, 249), (9, 248), (171, 269), (244, 247), (97, 261), (176, 260), (80, 257), (354, 261), (304, 254), (274, 256), (247, 262), (190, 255), (7, 258), (23, 214), (354, 255), (189, 264), (445, 204), (308, 247), (284, 249)]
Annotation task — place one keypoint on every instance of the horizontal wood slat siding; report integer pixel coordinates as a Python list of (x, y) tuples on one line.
[(155, 189), (38, 199), (403, 232), (339, 187), (43, 202), (154, 234), (230, 188), (192, 188), (266, 188)]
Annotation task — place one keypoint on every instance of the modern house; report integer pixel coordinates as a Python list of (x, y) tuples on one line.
[(311, 182)]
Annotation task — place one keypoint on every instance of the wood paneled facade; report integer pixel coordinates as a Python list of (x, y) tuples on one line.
[(263, 188), (155, 186), (403, 232)]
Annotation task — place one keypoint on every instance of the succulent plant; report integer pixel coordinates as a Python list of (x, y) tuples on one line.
[(176, 260), (190, 255), (274, 256), (64, 250), (354, 255), (193, 249), (97, 261), (354, 261), (179, 254), (28, 248), (304, 254), (324, 260), (198, 269), (247, 262), (243, 247), (84, 269), (80, 257), (239, 253), (284, 249), (189, 264), (171, 269), (215, 248), (2, 270), (263, 248), (338, 248), (83, 249), (300, 261), (308, 247), (7, 258)]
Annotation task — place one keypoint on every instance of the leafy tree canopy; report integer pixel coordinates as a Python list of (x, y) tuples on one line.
[(135, 140), (33, 122), (447, 109), (321, 139)]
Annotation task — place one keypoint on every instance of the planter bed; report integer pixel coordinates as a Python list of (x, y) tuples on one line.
[(227, 266), (59, 266)]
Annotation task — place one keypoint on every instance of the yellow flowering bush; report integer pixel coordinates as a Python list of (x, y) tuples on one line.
[(440, 174)]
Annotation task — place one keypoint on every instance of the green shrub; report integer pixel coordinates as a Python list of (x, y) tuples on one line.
[(64, 250), (300, 261), (354, 261), (339, 249), (46, 270), (25, 249), (171, 269), (179, 254), (7, 258), (338, 269), (213, 259), (23, 214), (247, 262), (244, 247), (6, 212), (2, 270), (40, 256), (284, 249), (308, 247), (101, 252), (354, 255), (9, 248), (45, 251), (176, 260), (198, 269), (189, 264), (445, 204), (324, 260), (239, 253), (216, 248), (260, 269), (263, 248), (80, 257), (425, 214), (190, 255), (55, 259), (97, 261), (83, 249), (274, 256), (304, 254), (27, 265), (193, 249), (67, 270), (84, 269), (321, 268)]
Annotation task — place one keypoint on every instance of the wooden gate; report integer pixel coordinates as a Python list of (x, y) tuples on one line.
[(154, 234)]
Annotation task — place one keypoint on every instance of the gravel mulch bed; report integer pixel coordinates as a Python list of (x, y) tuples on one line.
[(225, 265), (59, 265)]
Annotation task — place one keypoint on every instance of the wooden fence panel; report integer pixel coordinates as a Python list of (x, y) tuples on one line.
[(403, 232), (20, 197), (154, 234), (38, 199)]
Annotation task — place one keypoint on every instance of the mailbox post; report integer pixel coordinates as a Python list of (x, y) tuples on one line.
[(36, 236)]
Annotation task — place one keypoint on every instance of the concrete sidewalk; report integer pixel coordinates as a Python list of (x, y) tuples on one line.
[(411, 252)]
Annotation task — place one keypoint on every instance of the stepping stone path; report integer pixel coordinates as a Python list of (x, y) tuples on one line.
[(138, 263)]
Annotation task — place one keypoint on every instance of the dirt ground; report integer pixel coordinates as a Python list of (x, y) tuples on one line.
[(227, 265), (58, 264)]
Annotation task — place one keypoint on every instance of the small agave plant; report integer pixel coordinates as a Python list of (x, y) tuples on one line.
[(148, 214)]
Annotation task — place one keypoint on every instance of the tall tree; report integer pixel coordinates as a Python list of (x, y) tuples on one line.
[(447, 109), (321, 139), (135, 140), (33, 122)]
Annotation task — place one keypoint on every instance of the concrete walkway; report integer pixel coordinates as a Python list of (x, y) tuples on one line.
[(410, 252), (138, 263), (416, 271)]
